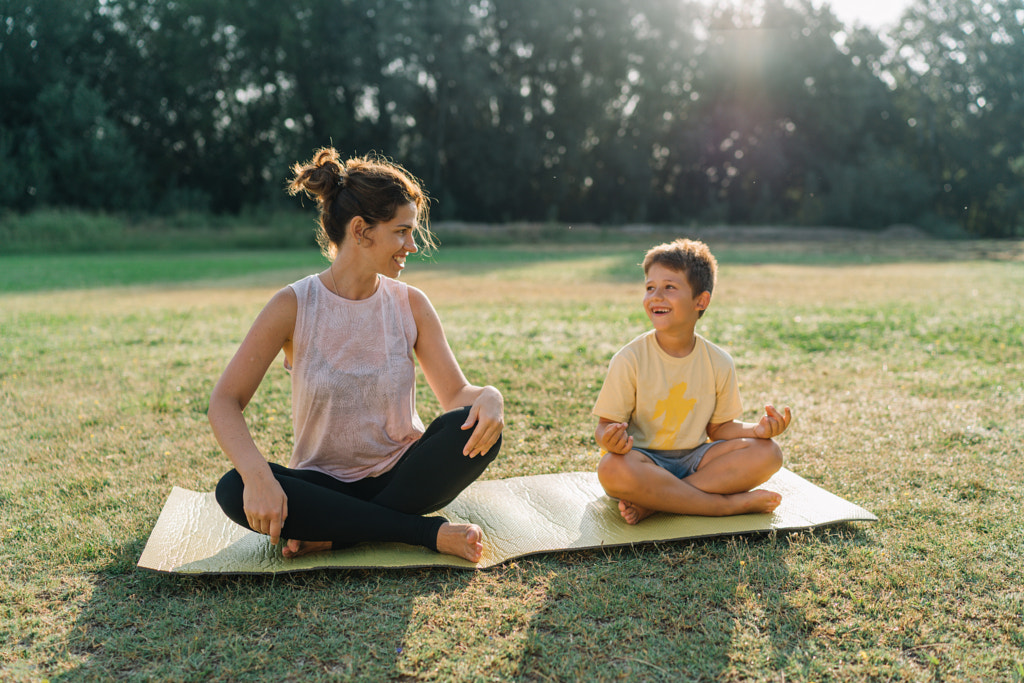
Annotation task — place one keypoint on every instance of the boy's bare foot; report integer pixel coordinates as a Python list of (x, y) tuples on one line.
[(294, 548), (633, 513), (756, 501), (461, 540)]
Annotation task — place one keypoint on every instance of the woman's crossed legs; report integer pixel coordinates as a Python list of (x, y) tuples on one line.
[(325, 513)]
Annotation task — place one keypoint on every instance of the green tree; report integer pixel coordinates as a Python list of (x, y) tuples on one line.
[(60, 143), (610, 111), (959, 71), (771, 118)]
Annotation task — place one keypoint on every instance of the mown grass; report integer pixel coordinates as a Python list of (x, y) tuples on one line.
[(907, 378)]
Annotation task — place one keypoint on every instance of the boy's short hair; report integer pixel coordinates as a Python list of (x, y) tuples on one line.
[(692, 258)]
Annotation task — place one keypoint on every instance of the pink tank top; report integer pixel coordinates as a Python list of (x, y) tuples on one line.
[(353, 380)]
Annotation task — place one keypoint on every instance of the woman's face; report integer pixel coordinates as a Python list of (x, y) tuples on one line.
[(389, 243)]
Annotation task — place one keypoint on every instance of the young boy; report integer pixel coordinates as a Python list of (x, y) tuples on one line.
[(667, 413)]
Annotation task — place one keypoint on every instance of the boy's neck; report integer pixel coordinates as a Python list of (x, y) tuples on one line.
[(676, 343)]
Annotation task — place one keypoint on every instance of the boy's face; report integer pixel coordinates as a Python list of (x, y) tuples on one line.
[(669, 300)]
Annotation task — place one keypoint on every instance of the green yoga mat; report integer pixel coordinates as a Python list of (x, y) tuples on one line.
[(519, 516)]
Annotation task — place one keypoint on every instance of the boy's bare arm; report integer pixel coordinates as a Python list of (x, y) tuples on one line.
[(612, 436), (771, 424)]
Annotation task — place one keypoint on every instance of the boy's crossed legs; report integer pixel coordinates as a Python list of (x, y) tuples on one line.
[(720, 486)]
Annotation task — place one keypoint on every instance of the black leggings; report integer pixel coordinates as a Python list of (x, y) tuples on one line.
[(387, 508)]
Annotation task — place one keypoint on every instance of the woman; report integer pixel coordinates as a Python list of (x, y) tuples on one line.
[(363, 467)]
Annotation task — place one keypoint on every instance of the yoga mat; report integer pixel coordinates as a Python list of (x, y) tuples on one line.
[(519, 516)]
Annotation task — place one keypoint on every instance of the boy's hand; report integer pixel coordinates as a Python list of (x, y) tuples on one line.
[(615, 439), (773, 422)]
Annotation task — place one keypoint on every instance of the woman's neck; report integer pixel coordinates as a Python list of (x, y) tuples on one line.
[(350, 279)]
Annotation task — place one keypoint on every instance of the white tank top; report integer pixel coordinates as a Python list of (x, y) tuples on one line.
[(353, 380)]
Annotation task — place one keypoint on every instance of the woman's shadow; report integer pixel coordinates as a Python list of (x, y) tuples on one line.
[(331, 623)]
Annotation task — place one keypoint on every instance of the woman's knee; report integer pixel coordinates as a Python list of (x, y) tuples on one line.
[(454, 418), (229, 495), (451, 423)]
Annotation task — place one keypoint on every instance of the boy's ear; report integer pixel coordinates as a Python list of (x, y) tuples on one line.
[(703, 301)]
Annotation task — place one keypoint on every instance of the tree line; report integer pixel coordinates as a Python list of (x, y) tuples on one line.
[(609, 111)]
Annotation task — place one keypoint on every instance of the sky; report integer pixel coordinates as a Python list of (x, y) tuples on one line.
[(875, 14)]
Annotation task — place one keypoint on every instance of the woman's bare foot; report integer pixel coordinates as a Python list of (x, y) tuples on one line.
[(461, 540), (756, 501), (294, 548), (633, 513)]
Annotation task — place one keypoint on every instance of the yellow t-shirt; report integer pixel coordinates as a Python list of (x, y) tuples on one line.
[(667, 401)]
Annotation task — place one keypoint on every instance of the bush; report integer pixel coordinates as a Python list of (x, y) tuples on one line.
[(57, 230), (70, 231)]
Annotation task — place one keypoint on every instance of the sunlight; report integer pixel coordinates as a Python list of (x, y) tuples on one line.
[(875, 14)]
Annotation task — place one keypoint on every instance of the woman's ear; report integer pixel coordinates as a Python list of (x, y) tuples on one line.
[(356, 229)]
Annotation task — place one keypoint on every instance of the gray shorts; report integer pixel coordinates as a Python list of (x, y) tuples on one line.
[(681, 463)]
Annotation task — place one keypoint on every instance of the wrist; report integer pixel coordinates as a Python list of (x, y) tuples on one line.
[(256, 475), (492, 392)]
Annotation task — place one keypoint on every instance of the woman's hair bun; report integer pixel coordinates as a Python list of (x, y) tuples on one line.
[(321, 177)]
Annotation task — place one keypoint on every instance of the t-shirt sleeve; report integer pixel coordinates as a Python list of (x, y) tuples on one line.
[(728, 405), (617, 398)]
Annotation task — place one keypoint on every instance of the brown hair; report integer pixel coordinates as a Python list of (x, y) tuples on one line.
[(370, 187), (692, 258)]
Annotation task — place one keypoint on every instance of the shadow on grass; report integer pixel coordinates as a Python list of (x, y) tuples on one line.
[(706, 610), (307, 625)]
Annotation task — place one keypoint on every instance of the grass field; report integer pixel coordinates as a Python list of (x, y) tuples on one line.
[(904, 365)]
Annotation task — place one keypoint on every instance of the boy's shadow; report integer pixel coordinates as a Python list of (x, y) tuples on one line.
[(331, 623), (686, 610)]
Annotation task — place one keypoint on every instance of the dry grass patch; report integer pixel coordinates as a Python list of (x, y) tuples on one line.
[(907, 379)]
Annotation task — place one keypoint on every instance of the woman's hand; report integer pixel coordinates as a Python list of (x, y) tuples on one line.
[(486, 419), (266, 507)]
